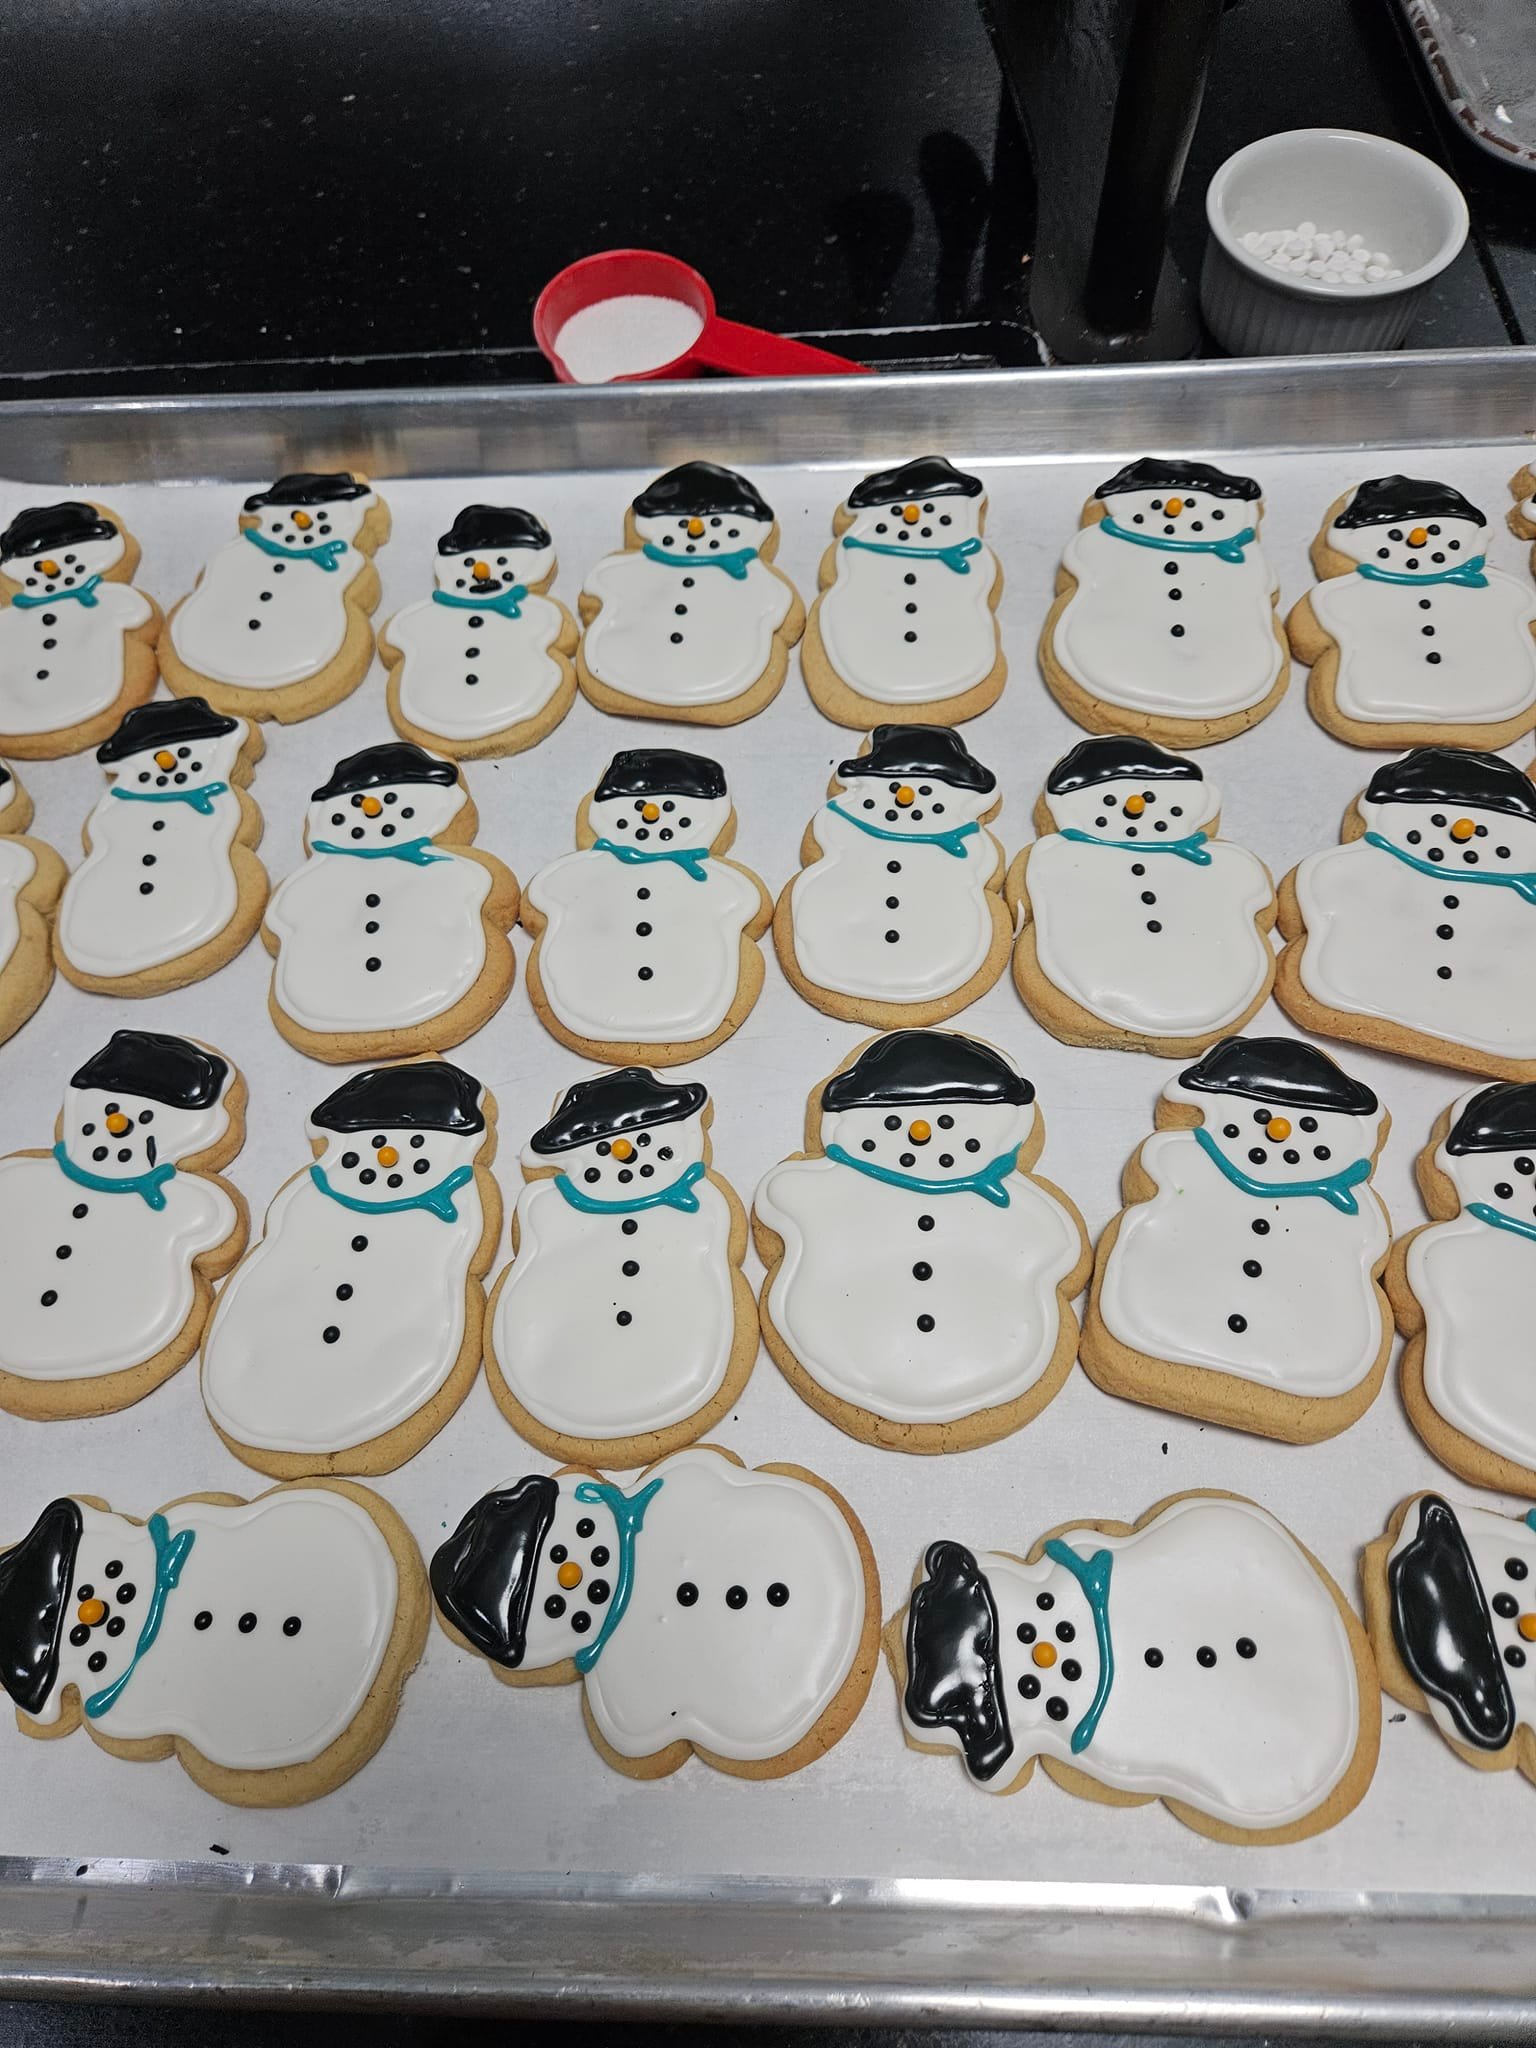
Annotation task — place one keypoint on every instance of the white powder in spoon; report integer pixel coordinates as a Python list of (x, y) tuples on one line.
[(616, 337)]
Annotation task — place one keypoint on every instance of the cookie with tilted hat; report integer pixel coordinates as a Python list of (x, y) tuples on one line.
[(1164, 621), (31, 878), (691, 620), (1412, 635)]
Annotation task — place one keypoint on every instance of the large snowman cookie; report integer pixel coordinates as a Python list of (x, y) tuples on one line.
[(905, 628), (1411, 635), (170, 887), (483, 666), (645, 939), (624, 1327), (262, 1643), (1418, 934), (897, 916), (690, 621), (77, 641), (920, 1276), (351, 1332), (1164, 621), (1240, 1284), (31, 877), (278, 623), (1200, 1656), (113, 1237), (709, 1610), (1139, 928), (392, 937)]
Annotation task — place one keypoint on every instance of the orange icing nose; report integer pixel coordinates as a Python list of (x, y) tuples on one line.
[(1527, 1627), (165, 759), (695, 528), (1173, 507), (1417, 538), (388, 1156), (569, 1575), (1044, 1654), (49, 568), (650, 813), (911, 514), (1463, 829), (482, 571), (920, 1132), (622, 1149), (92, 1612), (1278, 1128), (1134, 806), (370, 807), (302, 521), (906, 795), (117, 1123)]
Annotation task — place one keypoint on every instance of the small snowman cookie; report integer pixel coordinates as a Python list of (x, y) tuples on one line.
[(690, 621), (392, 937), (624, 1327), (708, 1610), (1411, 635), (113, 1237), (920, 1276), (170, 887), (77, 641), (1241, 1282), (483, 666), (1521, 516), (645, 939), (897, 916), (1201, 1656), (1418, 934), (1164, 622), (261, 1643), (278, 623), (31, 877), (351, 1331), (905, 628), (1139, 927)]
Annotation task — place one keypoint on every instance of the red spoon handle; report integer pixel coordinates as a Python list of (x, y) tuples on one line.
[(753, 352)]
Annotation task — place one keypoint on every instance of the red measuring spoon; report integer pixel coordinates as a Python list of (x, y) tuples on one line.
[(719, 345)]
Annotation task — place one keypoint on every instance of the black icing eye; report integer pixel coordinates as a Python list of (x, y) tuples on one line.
[(778, 1593), (1516, 1568), (114, 1570), (1309, 1123), (687, 1594), (585, 1527), (893, 1123)]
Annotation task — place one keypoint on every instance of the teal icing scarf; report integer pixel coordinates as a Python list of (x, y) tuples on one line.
[(690, 859), (677, 1194), (170, 1555), (1524, 885), (150, 1185), (956, 556), (1335, 1188), (324, 555), (1468, 574), (439, 1199), (734, 562), (1502, 1220), (85, 595), (953, 840), (628, 1514), (417, 851), (201, 798), (1191, 847), (1092, 1574), (1228, 549), (986, 1182), (508, 602)]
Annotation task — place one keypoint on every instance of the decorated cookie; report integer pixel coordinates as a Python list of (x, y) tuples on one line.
[(170, 887), (623, 1329), (905, 628), (77, 641), (920, 1276), (1522, 514), (1139, 928), (392, 937), (1240, 1284), (1200, 1656), (1418, 934), (278, 624), (351, 1332), (262, 1643), (897, 915), (708, 1610), (31, 876), (645, 939), (483, 666), (690, 620), (113, 1238)]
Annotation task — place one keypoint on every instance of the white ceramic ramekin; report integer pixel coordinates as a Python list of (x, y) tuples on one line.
[(1398, 200)]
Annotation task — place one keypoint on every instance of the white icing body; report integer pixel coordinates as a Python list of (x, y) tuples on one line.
[(17, 867), (1487, 666), (876, 641), (515, 673), (1493, 1539), (46, 688)]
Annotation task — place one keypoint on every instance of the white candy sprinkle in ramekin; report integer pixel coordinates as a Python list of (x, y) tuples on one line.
[(1328, 255)]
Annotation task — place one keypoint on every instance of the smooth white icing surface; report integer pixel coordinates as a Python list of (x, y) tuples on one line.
[(515, 673), (17, 867), (1493, 1540), (868, 612), (60, 664)]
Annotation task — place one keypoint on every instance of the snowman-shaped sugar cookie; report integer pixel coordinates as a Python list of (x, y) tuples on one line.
[(1522, 513), (31, 877), (690, 620), (1200, 1656), (905, 628), (897, 915), (77, 641), (1240, 1284), (1139, 927), (1164, 621), (391, 938), (708, 1610), (920, 1275), (351, 1332), (1418, 934), (483, 666), (113, 1237), (645, 939), (278, 623)]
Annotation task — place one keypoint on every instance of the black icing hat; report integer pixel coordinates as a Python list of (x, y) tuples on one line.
[(423, 1095), (390, 762), (1279, 1070), (701, 489), (46, 529), (925, 1066), (1454, 775), (1443, 1630), (309, 487), (155, 1065), (492, 526), (925, 476), (954, 1677), (483, 1576), (628, 1099), (1385, 498), (35, 1582), (1499, 1118), (1114, 758), (935, 750), (165, 725), (1177, 473), (661, 771)]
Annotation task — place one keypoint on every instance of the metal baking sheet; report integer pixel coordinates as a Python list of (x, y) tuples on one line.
[(486, 1853), (1482, 59)]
